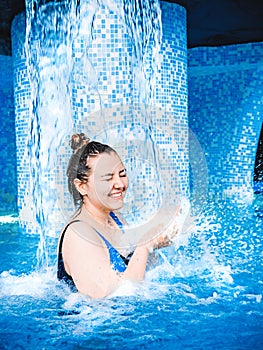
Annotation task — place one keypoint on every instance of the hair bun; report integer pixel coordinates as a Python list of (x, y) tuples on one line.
[(78, 141)]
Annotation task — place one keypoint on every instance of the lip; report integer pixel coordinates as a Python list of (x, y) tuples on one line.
[(117, 195)]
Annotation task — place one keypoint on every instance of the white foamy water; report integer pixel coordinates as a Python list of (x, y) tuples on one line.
[(8, 219), (35, 284)]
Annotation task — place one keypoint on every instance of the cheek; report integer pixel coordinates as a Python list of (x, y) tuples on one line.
[(102, 187)]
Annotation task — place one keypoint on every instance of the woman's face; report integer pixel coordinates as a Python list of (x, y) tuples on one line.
[(108, 181)]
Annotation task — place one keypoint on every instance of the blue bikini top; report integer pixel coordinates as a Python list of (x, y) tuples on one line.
[(118, 262)]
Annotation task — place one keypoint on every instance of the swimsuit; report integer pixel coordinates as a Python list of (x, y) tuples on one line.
[(118, 262)]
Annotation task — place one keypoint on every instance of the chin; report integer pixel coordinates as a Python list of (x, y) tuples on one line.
[(116, 205)]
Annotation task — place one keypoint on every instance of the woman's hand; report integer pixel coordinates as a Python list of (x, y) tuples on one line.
[(164, 239), (159, 242)]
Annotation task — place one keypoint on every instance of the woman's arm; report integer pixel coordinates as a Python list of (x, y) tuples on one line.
[(86, 259)]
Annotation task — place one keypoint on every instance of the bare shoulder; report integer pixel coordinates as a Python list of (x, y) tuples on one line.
[(81, 247), (83, 233), (85, 258)]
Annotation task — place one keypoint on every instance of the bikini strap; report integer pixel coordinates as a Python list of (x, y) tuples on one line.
[(116, 259), (63, 234), (116, 219)]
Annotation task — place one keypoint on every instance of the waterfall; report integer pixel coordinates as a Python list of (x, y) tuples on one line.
[(53, 29), (49, 33)]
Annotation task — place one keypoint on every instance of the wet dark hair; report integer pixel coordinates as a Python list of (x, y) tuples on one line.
[(82, 148)]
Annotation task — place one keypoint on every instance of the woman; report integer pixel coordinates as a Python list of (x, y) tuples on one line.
[(94, 253)]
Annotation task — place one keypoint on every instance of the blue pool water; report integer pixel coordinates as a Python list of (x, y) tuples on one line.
[(205, 293)]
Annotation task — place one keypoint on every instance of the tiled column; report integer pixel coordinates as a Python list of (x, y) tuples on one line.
[(225, 112), (107, 106)]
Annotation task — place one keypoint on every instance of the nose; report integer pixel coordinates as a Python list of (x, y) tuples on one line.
[(119, 183)]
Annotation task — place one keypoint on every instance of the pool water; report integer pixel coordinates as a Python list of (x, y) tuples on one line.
[(205, 293)]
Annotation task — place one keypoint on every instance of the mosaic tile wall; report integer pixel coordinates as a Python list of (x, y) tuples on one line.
[(114, 103), (226, 113), (8, 183)]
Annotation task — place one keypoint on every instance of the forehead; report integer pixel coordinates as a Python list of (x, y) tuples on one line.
[(105, 163)]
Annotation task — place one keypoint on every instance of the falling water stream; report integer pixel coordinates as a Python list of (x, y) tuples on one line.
[(49, 34), (52, 27)]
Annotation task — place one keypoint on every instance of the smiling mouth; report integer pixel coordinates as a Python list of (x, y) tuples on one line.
[(118, 195)]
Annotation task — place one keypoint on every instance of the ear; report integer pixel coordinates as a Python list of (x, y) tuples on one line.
[(80, 186)]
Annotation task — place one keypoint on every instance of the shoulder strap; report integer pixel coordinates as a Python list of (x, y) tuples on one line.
[(116, 260), (116, 219), (108, 244), (63, 233)]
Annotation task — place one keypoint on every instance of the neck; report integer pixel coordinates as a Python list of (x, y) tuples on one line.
[(101, 216)]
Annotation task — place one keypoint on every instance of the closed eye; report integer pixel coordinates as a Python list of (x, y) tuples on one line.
[(107, 177), (123, 173)]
